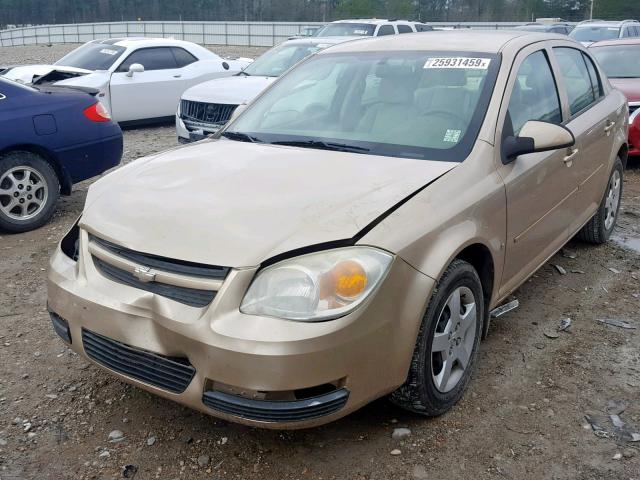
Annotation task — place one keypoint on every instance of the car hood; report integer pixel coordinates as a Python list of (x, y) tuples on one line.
[(30, 73), (629, 86), (237, 204), (228, 90)]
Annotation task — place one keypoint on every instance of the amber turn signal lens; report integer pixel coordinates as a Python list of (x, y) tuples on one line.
[(349, 279)]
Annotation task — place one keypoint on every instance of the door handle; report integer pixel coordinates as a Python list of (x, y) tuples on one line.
[(568, 159), (609, 126), (177, 76)]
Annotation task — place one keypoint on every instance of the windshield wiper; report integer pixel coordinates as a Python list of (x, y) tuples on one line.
[(242, 72), (338, 147), (241, 137)]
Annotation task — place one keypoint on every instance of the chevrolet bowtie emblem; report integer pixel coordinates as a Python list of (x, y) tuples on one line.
[(144, 274)]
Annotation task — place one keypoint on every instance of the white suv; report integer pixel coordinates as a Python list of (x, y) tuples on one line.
[(370, 28)]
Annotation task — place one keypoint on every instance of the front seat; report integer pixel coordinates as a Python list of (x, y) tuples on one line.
[(395, 101)]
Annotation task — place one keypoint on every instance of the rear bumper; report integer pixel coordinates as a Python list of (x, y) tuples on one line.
[(634, 138), (86, 160)]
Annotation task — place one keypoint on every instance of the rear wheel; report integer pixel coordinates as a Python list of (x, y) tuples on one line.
[(447, 344), (599, 228), (29, 191)]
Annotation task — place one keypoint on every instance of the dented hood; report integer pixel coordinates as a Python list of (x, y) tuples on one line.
[(31, 73), (237, 204)]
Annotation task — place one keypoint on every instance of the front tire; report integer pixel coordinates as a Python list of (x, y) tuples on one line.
[(29, 191), (447, 344), (599, 228)]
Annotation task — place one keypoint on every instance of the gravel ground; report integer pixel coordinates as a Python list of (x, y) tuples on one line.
[(523, 416)]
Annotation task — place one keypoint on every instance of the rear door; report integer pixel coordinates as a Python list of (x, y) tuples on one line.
[(539, 187), (591, 117), (150, 94)]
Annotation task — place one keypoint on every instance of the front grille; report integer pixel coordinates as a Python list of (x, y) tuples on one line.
[(205, 114), (188, 296), (276, 411), (171, 374)]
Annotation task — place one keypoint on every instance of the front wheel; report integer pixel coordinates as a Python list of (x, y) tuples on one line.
[(599, 228), (29, 191), (447, 344)]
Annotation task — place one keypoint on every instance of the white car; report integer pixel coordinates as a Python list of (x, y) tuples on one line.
[(207, 107), (138, 79), (370, 27)]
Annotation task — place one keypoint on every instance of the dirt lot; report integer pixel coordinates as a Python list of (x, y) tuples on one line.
[(522, 418)]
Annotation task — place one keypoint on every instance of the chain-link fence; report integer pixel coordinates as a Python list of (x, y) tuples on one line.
[(250, 34)]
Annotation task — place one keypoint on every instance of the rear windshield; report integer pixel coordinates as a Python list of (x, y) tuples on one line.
[(92, 56), (424, 105), (346, 30), (594, 34), (278, 60), (619, 61)]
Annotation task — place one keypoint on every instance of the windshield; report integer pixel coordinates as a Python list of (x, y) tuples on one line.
[(92, 56), (594, 34), (346, 30), (425, 105), (619, 61), (278, 60)]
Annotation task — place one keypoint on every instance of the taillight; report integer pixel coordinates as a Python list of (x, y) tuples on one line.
[(97, 113)]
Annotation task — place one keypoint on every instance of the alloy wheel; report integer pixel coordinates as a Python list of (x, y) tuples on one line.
[(23, 193), (612, 200), (454, 339)]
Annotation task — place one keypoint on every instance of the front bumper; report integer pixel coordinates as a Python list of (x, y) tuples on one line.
[(254, 370), (187, 134)]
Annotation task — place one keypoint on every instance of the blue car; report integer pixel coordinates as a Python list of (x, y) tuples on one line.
[(50, 138)]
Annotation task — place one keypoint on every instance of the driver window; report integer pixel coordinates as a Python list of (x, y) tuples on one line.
[(157, 58), (534, 95)]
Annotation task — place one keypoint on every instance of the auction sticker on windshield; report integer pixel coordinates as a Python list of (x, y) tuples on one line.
[(458, 62)]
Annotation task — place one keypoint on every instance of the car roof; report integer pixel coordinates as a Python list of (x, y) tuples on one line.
[(604, 23), (373, 21), (617, 41), (487, 41), (142, 42), (318, 40)]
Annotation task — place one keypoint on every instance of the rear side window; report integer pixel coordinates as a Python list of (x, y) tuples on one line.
[(386, 30), (534, 95), (577, 80), (421, 27), (183, 58), (156, 58), (404, 29), (596, 83)]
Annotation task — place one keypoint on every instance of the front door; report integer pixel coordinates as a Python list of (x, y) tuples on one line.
[(539, 186), (150, 94)]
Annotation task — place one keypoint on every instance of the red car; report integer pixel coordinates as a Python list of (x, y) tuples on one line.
[(620, 59)]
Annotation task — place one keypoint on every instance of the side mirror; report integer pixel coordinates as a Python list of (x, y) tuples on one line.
[(536, 136), (135, 68)]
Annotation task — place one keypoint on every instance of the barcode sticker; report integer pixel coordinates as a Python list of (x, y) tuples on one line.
[(108, 51), (458, 62)]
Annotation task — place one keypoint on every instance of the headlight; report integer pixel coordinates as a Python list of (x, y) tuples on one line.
[(318, 286)]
